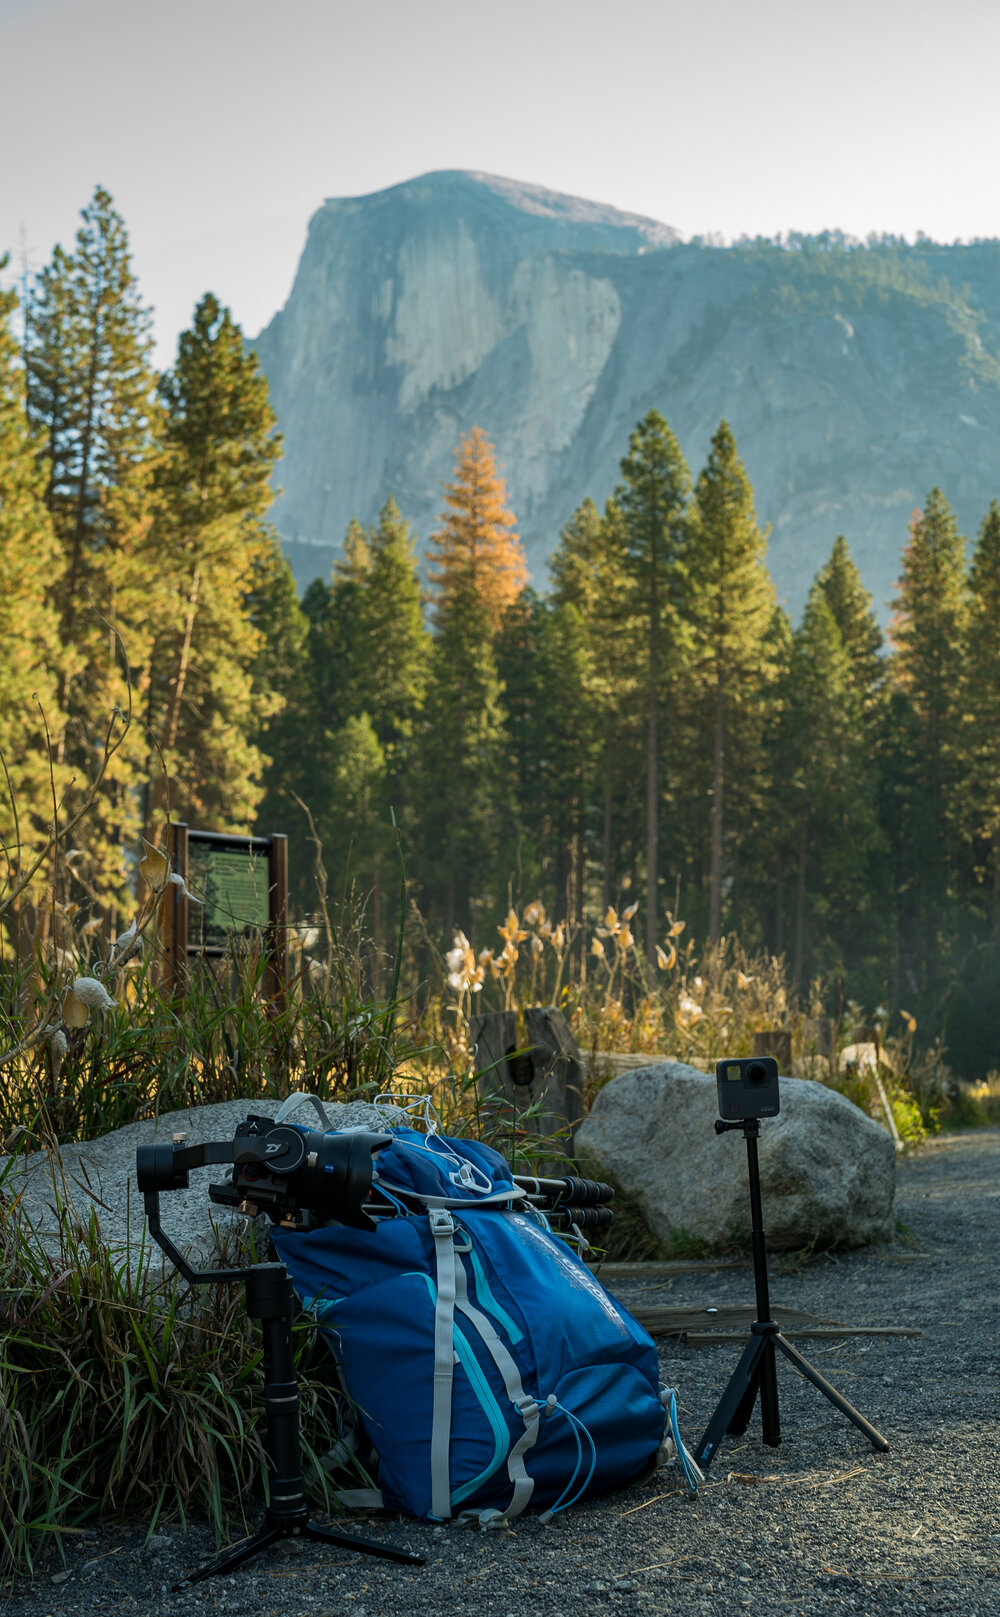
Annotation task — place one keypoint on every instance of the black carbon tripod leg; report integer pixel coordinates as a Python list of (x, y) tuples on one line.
[(770, 1419), (744, 1409), (367, 1546), (793, 1356), (233, 1557), (742, 1382)]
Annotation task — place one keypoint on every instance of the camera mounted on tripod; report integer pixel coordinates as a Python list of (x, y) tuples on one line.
[(747, 1087)]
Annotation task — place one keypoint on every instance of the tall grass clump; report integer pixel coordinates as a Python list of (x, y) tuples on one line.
[(123, 1393)]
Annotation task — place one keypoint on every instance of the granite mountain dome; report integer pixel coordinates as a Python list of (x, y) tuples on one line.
[(854, 377)]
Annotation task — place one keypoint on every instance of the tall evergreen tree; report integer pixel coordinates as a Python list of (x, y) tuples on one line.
[(592, 574), (855, 618), (91, 400), (653, 502), (928, 634), (827, 781), (463, 783), (30, 563), (477, 572), (213, 487), (980, 760), (476, 553), (281, 670), (729, 606), (392, 645)]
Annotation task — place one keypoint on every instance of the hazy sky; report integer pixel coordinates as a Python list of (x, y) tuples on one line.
[(219, 126)]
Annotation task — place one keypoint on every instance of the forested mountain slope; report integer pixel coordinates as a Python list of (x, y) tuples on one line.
[(854, 378)]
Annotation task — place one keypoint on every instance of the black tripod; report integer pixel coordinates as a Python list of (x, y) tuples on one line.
[(271, 1299), (756, 1372)]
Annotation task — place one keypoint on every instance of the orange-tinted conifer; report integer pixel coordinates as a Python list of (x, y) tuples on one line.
[(476, 552)]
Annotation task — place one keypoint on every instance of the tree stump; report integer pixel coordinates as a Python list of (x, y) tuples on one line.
[(776, 1042), (535, 1077)]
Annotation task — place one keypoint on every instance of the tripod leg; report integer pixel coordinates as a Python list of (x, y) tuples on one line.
[(232, 1558), (793, 1356), (368, 1546), (744, 1409), (770, 1419), (743, 1378)]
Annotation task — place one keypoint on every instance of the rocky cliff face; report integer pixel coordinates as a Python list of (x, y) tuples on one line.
[(854, 379)]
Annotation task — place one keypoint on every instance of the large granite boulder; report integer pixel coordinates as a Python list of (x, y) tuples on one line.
[(98, 1178), (827, 1171)]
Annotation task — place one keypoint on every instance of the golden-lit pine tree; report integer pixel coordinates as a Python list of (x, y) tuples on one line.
[(476, 552), (30, 563), (210, 556), (91, 391)]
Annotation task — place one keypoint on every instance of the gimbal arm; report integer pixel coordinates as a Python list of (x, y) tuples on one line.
[(166, 1167)]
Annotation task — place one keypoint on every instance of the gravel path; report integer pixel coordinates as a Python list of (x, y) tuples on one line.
[(822, 1524)]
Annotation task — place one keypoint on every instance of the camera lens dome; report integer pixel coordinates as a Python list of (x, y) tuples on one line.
[(756, 1073)]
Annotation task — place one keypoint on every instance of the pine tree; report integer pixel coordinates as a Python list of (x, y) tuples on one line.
[(592, 575), (827, 780), (851, 606), (91, 400), (544, 664), (30, 564), (280, 671), (980, 761), (392, 645), (928, 634), (463, 787), (209, 542), (729, 606), (653, 504), (476, 553)]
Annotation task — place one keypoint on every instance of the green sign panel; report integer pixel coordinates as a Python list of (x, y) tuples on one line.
[(234, 885)]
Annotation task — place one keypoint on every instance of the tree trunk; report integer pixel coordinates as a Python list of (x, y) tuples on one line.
[(652, 810), (718, 781), (606, 846), (172, 725), (800, 905), (779, 906), (158, 795)]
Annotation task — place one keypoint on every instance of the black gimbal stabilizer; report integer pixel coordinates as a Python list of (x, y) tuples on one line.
[(341, 1178)]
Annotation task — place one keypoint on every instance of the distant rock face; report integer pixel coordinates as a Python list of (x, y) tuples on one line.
[(827, 1172), (854, 380)]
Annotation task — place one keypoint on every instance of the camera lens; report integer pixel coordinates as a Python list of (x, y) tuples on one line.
[(756, 1073)]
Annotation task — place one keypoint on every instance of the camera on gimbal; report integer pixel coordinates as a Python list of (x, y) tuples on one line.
[(748, 1087), (300, 1177)]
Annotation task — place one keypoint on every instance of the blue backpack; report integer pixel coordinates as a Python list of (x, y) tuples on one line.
[(489, 1368)]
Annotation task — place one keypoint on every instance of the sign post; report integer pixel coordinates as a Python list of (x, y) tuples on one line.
[(242, 883)]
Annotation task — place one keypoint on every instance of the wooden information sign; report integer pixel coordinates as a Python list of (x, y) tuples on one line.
[(242, 883)]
